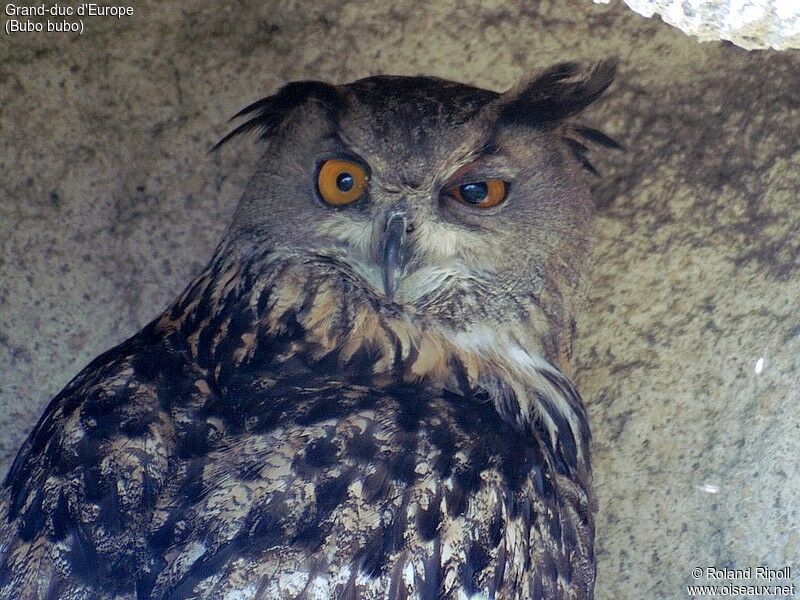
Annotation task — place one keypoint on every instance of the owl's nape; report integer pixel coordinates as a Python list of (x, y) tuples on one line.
[(364, 394)]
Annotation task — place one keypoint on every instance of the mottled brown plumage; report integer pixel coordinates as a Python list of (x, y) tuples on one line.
[(286, 429)]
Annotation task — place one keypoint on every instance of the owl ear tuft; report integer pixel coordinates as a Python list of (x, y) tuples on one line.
[(556, 93), (269, 113)]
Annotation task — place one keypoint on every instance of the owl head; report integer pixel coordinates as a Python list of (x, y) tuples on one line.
[(440, 203)]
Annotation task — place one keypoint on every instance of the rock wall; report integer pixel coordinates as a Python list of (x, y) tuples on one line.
[(751, 24), (689, 349)]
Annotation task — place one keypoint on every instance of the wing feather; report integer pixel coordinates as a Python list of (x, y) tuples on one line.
[(261, 472)]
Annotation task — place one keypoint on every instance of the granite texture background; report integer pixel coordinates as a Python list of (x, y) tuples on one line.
[(109, 203)]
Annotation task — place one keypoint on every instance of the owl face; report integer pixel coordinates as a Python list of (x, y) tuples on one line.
[(438, 200)]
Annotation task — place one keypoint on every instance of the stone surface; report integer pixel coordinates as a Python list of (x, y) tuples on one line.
[(109, 203), (750, 24)]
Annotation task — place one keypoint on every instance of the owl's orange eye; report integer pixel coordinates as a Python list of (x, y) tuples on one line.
[(341, 182), (483, 194)]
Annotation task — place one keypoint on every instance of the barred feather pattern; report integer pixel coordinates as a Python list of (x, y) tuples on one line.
[(278, 433)]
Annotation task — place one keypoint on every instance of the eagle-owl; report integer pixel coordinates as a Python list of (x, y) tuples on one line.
[(365, 395)]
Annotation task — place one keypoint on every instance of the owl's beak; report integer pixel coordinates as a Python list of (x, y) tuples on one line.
[(393, 240)]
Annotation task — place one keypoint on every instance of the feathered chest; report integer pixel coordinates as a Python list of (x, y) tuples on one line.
[(307, 317), (437, 465), (265, 440), (342, 491)]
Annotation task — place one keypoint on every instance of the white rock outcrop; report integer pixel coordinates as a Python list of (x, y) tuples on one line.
[(750, 24)]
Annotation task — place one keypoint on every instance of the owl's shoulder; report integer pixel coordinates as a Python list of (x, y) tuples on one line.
[(147, 475), (86, 481)]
